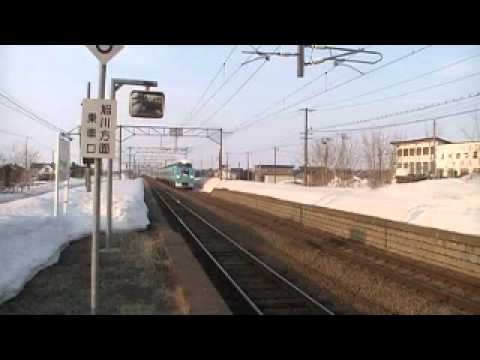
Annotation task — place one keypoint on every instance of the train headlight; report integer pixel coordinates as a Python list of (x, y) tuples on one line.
[(178, 176)]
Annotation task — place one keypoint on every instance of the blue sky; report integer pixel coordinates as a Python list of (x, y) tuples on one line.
[(51, 81)]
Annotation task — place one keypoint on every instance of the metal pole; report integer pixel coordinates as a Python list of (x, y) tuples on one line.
[(227, 169), (120, 154), (88, 179), (434, 163), (248, 166), (96, 207), (26, 154), (110, 182), (305, 178), (275, 165), (129, 161), (220, 160)]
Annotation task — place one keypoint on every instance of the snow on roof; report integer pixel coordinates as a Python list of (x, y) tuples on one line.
[(420, 140)]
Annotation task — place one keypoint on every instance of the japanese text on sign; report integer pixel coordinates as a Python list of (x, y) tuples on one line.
[(99, 122)]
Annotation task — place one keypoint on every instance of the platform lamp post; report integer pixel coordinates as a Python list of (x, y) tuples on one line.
[(116, 84)]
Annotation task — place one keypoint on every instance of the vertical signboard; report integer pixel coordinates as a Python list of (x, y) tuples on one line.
[(62, 173), (99, 122)]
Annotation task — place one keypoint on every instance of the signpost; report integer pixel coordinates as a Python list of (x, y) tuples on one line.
[(98, 121), (62, 172)]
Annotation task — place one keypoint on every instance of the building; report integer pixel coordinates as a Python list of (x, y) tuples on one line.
[(416, 157), (458, 159), (282, 172), (435, 157), (43, 171)]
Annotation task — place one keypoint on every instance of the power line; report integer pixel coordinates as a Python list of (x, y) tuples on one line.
[(377, 127), (26, 137), (236, 92), (394, 61), (218, 89), (403, 112), (441, 68), (25, 111), (296, 91), (222, 66), (405, 93)]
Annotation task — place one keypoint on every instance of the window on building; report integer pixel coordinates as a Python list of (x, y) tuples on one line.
[(450, 156), (405, 152), (399, 165), (432, 167), (419, 151), (412, 167), (475, 154), (432, 150), (418, 168), (443, 156), (399, 153), (425, 151), (458, 155), (405, 165), (466, 155)]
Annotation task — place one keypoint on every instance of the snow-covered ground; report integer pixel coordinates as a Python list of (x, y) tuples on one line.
[(39, 187), (32, 239), (450, 204)]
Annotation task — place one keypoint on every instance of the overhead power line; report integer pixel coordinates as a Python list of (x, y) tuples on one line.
[(394, 61), (199, 108), (405, 93), (441, 68), (236, 92), (403, 112), (377, 127), (28, 113), (222, 67)]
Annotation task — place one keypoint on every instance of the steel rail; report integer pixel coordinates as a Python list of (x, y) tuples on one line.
[(252, 256)]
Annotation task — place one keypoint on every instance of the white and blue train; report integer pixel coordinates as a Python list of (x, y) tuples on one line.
[(178, 175)]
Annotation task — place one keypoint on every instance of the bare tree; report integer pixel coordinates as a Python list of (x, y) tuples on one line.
[(378, 156), (21, 153)]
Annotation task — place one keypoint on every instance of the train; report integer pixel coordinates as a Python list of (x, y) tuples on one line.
[(178, 175)]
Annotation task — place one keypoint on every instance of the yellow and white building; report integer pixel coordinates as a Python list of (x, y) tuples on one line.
[(436, 157)]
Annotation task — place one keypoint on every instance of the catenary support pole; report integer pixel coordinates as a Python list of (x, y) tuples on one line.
[(274, 164)]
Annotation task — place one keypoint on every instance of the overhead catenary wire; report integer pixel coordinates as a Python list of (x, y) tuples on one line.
[(394, 61), (236, 92), (402, 82), (232, 75), (222, 67)]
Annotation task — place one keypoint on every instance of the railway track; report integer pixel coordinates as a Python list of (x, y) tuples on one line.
[(439, 284), (260, 288)]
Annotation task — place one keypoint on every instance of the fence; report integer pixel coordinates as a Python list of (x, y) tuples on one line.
[(446, 249)]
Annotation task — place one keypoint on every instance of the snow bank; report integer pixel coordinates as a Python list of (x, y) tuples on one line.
[(449, 204), (32, 239)]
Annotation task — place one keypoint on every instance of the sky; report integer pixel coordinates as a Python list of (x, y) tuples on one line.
[(51, 81)]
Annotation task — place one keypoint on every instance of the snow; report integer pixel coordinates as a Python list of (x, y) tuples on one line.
[(32, 239), (39, 187), (449, 204)]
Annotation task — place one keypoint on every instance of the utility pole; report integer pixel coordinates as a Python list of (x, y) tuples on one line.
[(248, 166), (26, 153), (220, 160), (325, 161), (129, 161), (433, 156), (305, 168), (275, 149), (380, 165), (227, 169)]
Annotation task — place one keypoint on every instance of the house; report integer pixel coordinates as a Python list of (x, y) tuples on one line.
[(43, 171), (416, 157), (458, 159), (436, 157), (267, 173)]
